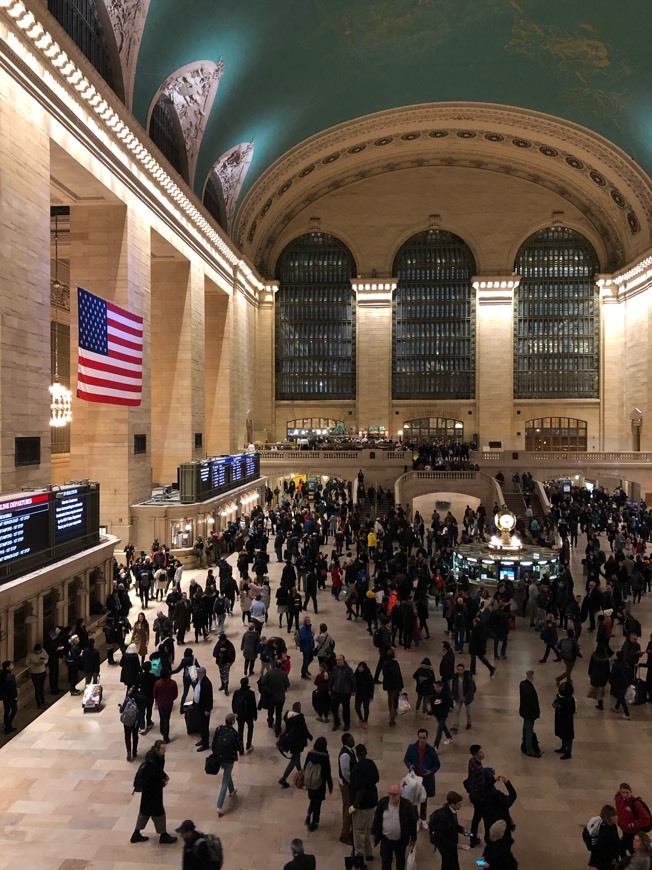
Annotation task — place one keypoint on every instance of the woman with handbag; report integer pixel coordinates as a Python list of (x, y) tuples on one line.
[(188, 665), (292, 740), (140, 636), (317, 777)]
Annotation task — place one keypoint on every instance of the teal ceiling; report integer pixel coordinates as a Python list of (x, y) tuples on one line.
[(295, 67)]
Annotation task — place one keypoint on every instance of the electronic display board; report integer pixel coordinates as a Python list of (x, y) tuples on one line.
[(24, 526), (70, 514), (219, 471), (207, 478), (236, 463)]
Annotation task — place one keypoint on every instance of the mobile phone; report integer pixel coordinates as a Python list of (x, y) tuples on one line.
[(481, 862)]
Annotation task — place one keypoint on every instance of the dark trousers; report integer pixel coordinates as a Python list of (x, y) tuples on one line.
[(337, 699), (148, 712), (131, 739), (10, 709), (39, 688), (144, 595), (164, 718), (482, 658), (205, 724), (53, 671), (478, 815), (312, 596), (73, 677), (314, 807), (362, 709), (274, 714), (390, 849), (250, 730), (449, 858), (379, 666)]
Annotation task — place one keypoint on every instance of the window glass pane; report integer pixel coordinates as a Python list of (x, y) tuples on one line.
[(546, 435), (433, 347), (80, 21), (556, 317), (166, 134), (315, 320)]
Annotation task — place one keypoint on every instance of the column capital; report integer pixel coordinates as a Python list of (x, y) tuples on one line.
[(374, 291), (495, 289)]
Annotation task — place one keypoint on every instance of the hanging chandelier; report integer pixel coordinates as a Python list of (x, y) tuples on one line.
[(60, 396)]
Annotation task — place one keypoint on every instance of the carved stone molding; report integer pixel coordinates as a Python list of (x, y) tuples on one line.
[(581, 165), (231, 170), (191, 91), (128, 20)]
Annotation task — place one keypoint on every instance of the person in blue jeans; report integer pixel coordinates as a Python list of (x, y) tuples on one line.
[(227, 747), (186, 662)]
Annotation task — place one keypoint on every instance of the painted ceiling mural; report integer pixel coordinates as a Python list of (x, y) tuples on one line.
[(293, 68)]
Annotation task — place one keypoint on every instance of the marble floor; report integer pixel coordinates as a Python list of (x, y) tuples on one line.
[(65, 785)]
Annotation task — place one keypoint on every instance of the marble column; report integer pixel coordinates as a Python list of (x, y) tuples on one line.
[(495, 359), (218, 324), (374, 352), (24, 286), (110, 255), (177, 366), (264, 386)]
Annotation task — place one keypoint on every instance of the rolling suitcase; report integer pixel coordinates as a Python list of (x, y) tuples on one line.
[(640, 696), (193, 722)]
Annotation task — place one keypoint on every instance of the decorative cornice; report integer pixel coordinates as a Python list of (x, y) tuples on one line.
[(628, 282), (372, 292), (93, 114), (191, 91), (495, 289), (578, 164)]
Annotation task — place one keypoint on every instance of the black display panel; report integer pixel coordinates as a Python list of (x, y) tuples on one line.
[(237, 470), (219, 475), (24, 527), (70, 514), (208, 478)]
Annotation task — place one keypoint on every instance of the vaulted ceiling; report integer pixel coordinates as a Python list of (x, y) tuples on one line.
[(292, 68)]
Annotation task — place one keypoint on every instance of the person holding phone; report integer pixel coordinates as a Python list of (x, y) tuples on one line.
[(497, 854)]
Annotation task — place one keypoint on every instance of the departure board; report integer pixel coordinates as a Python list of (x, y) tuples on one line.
[(24, 526), (70, 514), (208, 478)]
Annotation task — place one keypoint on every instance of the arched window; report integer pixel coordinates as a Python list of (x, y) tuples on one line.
[(88, 25), (315, 320), (557, 318), (214, 200), (433, 347), (309, 427), (428, 429), (166, 133), (555, 435)]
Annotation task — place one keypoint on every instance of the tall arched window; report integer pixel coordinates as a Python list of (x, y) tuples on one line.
[(433, 347), (557, 318), (88, 25), (315, 320), (214, 200), (166, 133)]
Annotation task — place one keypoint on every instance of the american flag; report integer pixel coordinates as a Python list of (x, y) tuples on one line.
[(110, 352)]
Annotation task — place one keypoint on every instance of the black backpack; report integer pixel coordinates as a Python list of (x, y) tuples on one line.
[(222, 747), (138, 778), (434, 824), (219, 608), (378, 638)]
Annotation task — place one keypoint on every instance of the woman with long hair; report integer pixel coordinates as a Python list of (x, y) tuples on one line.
[(317, 757), (364, 693), (140, 636)]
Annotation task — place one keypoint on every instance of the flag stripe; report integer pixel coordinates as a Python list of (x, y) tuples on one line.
[(110, 352)]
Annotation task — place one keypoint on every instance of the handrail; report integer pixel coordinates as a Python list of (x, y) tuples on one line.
[(587, 457), (435, 475)]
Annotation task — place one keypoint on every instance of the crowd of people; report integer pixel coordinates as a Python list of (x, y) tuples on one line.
[(388, 572)]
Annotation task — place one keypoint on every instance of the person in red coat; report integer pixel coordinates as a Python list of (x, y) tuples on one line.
[(633, 816), (165, 694)]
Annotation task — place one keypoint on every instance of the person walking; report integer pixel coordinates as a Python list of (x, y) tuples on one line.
[(423, 759), (605, 842), (196, 855), (90, 662), (564, 705), (633, 817), (382, 640), (9, 695), (598, 675), (130, 666), (226, 747), (37, 661), (224, 655), (394, 827), (140, 636), (447, 664), (342, 687), (462, 695), (619, 679), (441, 707), (549, 636), (364, 693), (444, 829), (392, 684), (166, 692), (569, 652), (73, 660), (346, 761), (424, 678), (364, 798), (317, 779), (153, 780), (306, 646), (294, 738), (273, 687), (529, 711), (243, 704), (188, 665), (300, 858), (478, 647), (249, 648), (203, 701), (478, 789)]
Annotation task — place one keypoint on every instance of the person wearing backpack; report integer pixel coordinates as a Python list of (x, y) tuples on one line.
[(188, 665), (226, 747), (293, 739), (317, 777), (219, 611), (633, 816), (153, 779), (569, 652), (601, 837), (200, 851)]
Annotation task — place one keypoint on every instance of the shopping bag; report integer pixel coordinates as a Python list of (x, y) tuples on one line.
[(403, 703), (411, 859)]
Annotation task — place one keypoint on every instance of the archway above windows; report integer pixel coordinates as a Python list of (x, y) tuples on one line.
[(556, 435)]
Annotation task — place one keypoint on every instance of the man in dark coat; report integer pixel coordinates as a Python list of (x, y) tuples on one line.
[(444, 830), (244, 706), (195, 849), (182, 610), (392, 684), (203, 701), (529, 712), (154, 779), (394, 827), (53, 645), (300, 860)]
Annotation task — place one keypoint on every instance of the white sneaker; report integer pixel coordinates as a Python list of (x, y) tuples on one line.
[(424, 824), (446, 742)]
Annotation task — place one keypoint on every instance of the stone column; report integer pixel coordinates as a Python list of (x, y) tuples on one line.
[(265, 368), (177, 366), (110, 255), (615, 423), (218, 325), (374, 352), (494, 379), (24, 285)]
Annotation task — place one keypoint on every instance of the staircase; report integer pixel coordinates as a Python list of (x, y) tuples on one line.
[(516, 503)]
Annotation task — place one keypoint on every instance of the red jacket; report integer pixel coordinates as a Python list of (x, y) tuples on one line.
[(165, 694), (632, 815)]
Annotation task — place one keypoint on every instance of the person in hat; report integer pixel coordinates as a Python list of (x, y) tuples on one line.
[(195, 850)]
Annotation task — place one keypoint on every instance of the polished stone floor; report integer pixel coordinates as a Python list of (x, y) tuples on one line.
[(65, 785)]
